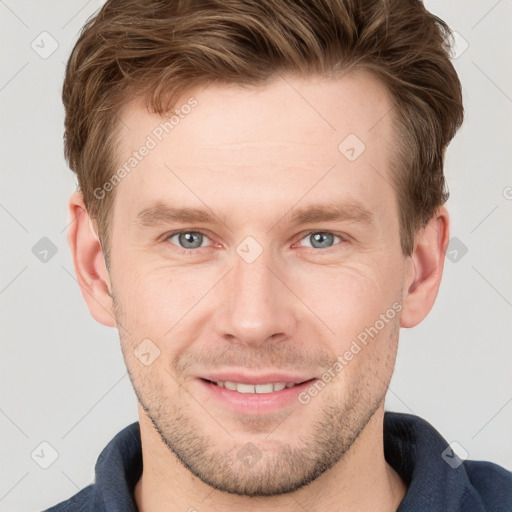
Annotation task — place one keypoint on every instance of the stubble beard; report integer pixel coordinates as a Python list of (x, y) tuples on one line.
[(280, 468)]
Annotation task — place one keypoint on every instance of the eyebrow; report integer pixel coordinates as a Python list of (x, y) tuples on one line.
[(353, 212), (160, 214)]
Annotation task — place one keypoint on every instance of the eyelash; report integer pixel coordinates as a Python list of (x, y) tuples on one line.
[(313, 249)]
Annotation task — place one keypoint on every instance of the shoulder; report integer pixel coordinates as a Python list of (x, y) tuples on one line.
[(80, 502), (117, 470), (492, 483), (436, 478)]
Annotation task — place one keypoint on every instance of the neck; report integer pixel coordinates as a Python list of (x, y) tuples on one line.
[(361, 481)]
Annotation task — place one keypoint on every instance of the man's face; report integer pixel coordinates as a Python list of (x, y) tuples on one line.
[(208, 306)]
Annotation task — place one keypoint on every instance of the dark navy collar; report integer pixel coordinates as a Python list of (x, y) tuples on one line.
[(414, 449), (437, 481)]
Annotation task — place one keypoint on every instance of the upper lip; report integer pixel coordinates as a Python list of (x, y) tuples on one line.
[(246, 378)]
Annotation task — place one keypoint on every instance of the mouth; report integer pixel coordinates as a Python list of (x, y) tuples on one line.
[(241, 387), (255, 396), (265, 388)]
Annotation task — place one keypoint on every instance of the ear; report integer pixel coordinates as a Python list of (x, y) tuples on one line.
[(424, 269), (90, 268)]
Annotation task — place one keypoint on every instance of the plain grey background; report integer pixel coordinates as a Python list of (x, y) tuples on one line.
[(64, 382)]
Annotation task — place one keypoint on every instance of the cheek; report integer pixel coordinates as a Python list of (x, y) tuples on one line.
[(349, 299), (153, 299)]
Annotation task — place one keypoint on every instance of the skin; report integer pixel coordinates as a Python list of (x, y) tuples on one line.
[(252, 155)]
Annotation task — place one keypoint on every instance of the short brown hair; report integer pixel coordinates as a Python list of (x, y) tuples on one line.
[(156, 49)]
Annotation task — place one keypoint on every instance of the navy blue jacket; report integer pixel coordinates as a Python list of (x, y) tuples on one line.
[(437, 480)]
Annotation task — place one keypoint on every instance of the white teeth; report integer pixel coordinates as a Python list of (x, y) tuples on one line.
[(254, 388), (264, 388), (245, 388)]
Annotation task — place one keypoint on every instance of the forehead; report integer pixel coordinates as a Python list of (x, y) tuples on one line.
[(253, 143), (227, 114)]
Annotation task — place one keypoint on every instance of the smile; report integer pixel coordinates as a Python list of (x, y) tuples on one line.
[(255, 388)]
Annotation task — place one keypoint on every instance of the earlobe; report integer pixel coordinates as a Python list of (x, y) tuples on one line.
[(424, 269), (89, 262)]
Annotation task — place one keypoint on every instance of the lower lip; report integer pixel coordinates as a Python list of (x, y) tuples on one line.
[(256, 402)]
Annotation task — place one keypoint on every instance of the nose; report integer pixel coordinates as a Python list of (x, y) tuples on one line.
[(255, 306)]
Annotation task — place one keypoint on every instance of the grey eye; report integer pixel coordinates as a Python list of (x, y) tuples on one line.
[(320, 239), (189, 239)]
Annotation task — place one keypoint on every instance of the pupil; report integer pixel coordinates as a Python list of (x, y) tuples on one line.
[(321, 240), (188, 238)]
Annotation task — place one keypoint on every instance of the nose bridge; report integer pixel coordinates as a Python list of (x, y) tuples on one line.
[(254, 305), (253, 285)]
